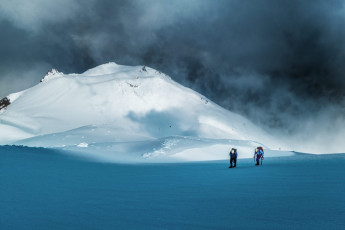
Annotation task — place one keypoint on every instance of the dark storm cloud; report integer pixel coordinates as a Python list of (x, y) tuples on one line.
[(280, 63)]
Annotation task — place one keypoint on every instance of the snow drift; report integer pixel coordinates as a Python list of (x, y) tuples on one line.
[(126, 113)]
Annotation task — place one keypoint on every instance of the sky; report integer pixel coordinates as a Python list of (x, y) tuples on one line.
[(279, 63)]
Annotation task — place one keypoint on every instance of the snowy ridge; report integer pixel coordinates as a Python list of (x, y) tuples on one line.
[(5, 102), (126, 113), (14, 96)]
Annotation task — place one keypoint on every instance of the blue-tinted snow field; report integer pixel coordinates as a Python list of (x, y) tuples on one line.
[(43, 189)]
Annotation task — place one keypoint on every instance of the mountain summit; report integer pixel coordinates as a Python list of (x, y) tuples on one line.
[(112, 104)]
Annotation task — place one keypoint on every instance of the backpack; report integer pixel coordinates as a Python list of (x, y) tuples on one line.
[(233, 153), (260, 150)]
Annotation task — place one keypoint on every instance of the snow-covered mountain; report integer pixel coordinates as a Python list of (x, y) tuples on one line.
[(125, 113)]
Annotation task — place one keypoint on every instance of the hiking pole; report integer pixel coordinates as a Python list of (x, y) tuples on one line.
[(261, 160)]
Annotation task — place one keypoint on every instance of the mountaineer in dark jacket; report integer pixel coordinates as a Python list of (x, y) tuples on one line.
[(233, 157)]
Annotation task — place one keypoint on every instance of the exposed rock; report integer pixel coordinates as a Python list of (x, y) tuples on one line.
[(132, 85), (53, 73), (4, 103)]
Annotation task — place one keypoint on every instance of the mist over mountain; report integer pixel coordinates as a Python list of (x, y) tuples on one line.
[(279, 63)]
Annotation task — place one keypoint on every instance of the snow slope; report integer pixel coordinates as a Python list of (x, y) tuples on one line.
[(42, 189), (125, 113)]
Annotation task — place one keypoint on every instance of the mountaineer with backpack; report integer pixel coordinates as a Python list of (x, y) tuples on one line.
[(233, 157), (258, 154)]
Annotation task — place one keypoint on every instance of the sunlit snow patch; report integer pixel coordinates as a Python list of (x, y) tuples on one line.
[(83, 145)]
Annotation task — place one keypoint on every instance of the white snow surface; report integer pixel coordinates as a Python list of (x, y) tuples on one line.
[(128, 114), (13, 96)]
